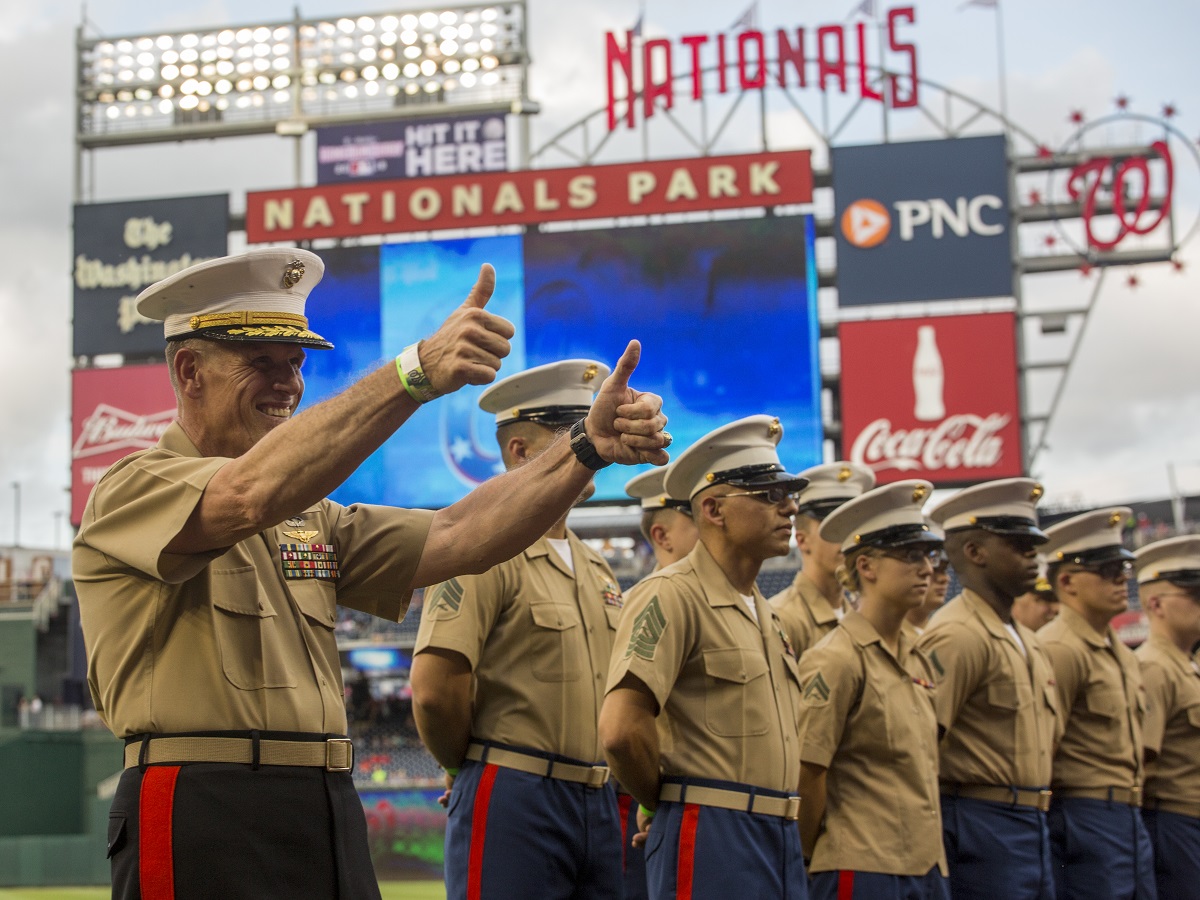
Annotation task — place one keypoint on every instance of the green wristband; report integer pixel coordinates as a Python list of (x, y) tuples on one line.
[(452, 771), (412, 376), (648, 813)]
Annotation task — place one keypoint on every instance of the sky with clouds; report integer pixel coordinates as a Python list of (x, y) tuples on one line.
[(1130, 408)]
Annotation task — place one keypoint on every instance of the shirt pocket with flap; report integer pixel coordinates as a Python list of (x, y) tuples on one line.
[(249, 632), (1104, 700), (737, 692), (555, 642)]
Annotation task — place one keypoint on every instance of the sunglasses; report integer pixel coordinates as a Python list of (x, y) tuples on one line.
[(771, 495), (1111, 571), (914, 556)]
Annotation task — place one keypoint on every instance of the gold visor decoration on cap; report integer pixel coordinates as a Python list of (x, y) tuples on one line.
[(293, 273), (247, 317)]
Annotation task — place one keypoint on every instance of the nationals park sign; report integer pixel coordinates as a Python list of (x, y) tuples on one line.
[(530, 197)]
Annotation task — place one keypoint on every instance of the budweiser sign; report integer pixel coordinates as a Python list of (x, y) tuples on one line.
[(914, 404), (108, 429), (958, 442), (114, 412)]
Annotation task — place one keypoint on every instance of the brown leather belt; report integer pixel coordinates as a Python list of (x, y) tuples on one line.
[(1128, 796), (780, 807), (591, 776), (331, 754), (1179, 807), (996, 793)]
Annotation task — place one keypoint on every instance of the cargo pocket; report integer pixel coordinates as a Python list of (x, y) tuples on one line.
[(736, 694), (553, 651), (116, 835), (248, 632)]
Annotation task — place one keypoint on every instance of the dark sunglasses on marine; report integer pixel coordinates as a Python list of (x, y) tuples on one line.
[(1111, 571), (769, 495)]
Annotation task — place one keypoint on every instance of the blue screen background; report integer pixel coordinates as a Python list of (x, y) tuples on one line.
[(725, 312)]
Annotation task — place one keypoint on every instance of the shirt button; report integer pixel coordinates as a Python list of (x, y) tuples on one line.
[(262, 606)]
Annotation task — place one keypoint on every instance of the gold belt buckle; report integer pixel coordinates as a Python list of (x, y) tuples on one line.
[(329, 755), (597, 776), (1044, 796), (791, 810)]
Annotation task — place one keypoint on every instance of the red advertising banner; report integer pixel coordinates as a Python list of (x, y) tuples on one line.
[(529, 197), (113, 413), (933, 398)]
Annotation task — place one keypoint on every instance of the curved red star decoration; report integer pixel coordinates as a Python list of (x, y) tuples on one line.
[(1035, 197), (1169, 111), (1177, 265), (1077, 117), (1044, 152), (1132, 280), (1122, 102), (1050, 240), (1085, 269)]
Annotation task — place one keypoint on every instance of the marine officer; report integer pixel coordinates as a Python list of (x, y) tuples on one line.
[(666, 523), (1100, 846), (508, 676), (668, 527), (699, 643), (869, 814), (1168, 574), (814, 602), (1037, 608), (209, 569), (918, 618), (995, 699)]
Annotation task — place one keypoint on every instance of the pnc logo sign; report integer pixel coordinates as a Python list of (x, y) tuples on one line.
[(866, 223)]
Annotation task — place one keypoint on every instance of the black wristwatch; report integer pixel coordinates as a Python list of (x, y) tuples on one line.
[(585, 450)]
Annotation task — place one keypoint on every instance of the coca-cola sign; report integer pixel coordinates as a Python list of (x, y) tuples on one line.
[(932, 398), (114, 413)]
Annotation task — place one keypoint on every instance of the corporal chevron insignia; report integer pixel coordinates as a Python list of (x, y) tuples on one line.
[(817, 691), (648, 628), (448, 596)]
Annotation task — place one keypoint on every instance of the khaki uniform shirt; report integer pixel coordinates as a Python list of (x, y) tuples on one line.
[(806, 614), (1172, 726), (222, 641), (868, 717), (1102, 699), (727, 683), (997, 705), (538, 640)]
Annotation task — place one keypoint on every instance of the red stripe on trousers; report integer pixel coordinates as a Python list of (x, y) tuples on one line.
[(687, 851), (483, 797), (845, 885), (156, 862), (624, 802)]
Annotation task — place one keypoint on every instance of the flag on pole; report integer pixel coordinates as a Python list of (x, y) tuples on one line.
[(636, 30), (865, 8), (983, 4), (748, 19)]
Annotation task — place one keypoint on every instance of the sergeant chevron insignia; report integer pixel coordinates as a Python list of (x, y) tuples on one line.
[(648, 628)]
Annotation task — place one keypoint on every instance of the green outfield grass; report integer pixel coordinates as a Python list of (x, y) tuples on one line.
[(391, 890)]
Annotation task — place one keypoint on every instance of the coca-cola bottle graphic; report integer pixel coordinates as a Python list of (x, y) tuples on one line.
[(928, 377)]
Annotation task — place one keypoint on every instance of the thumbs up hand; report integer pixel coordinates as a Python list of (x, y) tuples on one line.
[(626, 425), (469, 345)]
